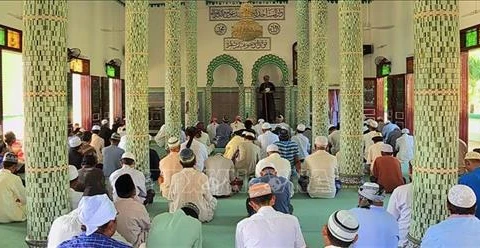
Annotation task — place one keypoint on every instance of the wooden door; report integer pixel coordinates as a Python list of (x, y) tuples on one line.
[(225, 103)]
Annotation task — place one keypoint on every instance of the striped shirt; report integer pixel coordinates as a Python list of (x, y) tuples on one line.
[(288, 150), (94, 240)]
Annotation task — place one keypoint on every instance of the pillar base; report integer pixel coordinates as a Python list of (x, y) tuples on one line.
[(36, 243), (413, 242), (351, 181)]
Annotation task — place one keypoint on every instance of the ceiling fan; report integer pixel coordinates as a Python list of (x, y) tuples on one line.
[(368, 25), (474, 12)]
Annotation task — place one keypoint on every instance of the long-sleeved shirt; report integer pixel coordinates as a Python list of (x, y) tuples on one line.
[(378, 228), (247, 159), (282, 166), (282, 188), (137, 177), (237, 125), (387, 129), (289, 151), (223, 132), (94, 240), (405, 147), (175, 230), (220, 172), (232, 146), (265, 140), (322, 169), (374, 151), (334, 141), (12, 197), (269, 228), (455, 231), (212, 130), (98, 144), (472, 180), (400, 206), (204, 139), (169, 165), (200, 151), (190, 185), (367, 141), (387, 170), (111, 159), (303, 145), (133, 221)]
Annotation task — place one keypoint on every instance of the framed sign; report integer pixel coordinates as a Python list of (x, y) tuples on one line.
[(10, 38)]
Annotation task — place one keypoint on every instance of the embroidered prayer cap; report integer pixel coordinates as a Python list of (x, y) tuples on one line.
[(74, 141), (405, 131), (173, 142), (343, 225), (387, 148), (187, 155), (96, 128), (115, 136), (301, 127), (72, 173), (462, 196), (266, 125), (472, 156), (128, 155), (259, 189), (321, 141), (272, 148), (372, 192), (96, 211), (10, 158)]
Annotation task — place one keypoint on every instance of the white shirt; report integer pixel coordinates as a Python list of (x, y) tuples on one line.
[(405, 147), (137, 177), (220, 172), (200, 151), (237, 125), (322, 170), (303, 144), (265, 140), (400, 206), (75, 197), (367, 141), (269, 229), (334, 141), (212, 130), (123, 142), (258, 129), (282, 165), (374, 151)]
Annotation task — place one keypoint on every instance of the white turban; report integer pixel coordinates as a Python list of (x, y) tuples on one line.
[(372, 192), (96, 211)]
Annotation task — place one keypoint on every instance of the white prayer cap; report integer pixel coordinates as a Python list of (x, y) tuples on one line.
[(387, 121), (372, 192), (387, 148), (405, 131), (96, 128), (128, 155), (301, 127), (343, 225), (462, 196), (272, 148), (373, 124), (104, 122), (173, 142), (259, 189), (248, 134), (261, 121), (96, 211), (321, 141), (266, 125), (365, 128), (74, 141), (472, 156), (72, 172), (263, 165)]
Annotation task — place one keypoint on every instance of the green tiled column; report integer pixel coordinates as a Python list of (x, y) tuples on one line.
[(318, 67), (45, 99), (436, 96), (303, 105), (172, 67), (351, 90), (136, 81), (191, 116)]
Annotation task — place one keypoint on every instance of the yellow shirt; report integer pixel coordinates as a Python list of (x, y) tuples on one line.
[(169, 165), (12, 198), (232, 146)]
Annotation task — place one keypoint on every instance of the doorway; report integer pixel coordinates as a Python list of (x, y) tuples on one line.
[(12, 92)]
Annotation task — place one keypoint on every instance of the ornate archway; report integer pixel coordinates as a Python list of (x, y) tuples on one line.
[(270, 59), (224, 59)]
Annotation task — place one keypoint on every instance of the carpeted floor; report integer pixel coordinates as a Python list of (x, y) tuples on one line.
[(220, 233)]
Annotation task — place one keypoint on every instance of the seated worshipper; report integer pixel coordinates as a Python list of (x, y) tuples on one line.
[(341, 230), (190, 185), (378, 228), (203, 137), (248, 128), (374, 151), (461, 228), (322, 171), (180, 229), (302, 141), (97, 142), (282, 165), (367, 138), (280, 122), (267, 138), (381, 124), (405, 147), (212, 130), (220, 172), (123, 137), (232, 146), (462, 151), (472, 178), (133, 221), (112, 155), (258, 127), (393, 137), (128, 167), (237, 124), (74, 193), (400, 206), (12, 191), (267, 227), (105, 132), (154, 161), (169, 165), (75, 157), (14, 146), (89, 163), (387, 170), (246, 156), (387, 129), (289, 151), (223, 132), (200, 150), (97, 215), (282, 188), (85, 147), (334, 139)]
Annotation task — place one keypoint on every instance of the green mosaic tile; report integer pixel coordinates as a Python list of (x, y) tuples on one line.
[(303, 105)]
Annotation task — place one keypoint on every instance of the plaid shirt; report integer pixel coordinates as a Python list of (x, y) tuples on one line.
[(95, 240)]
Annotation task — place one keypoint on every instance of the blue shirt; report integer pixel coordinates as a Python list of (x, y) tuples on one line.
[(472, 180), (387, 129), (288, 150), (378, 228), (281, 188), (455, 231), (95, 240)]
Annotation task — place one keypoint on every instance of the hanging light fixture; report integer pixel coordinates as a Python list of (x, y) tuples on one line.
[(247, 28)]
